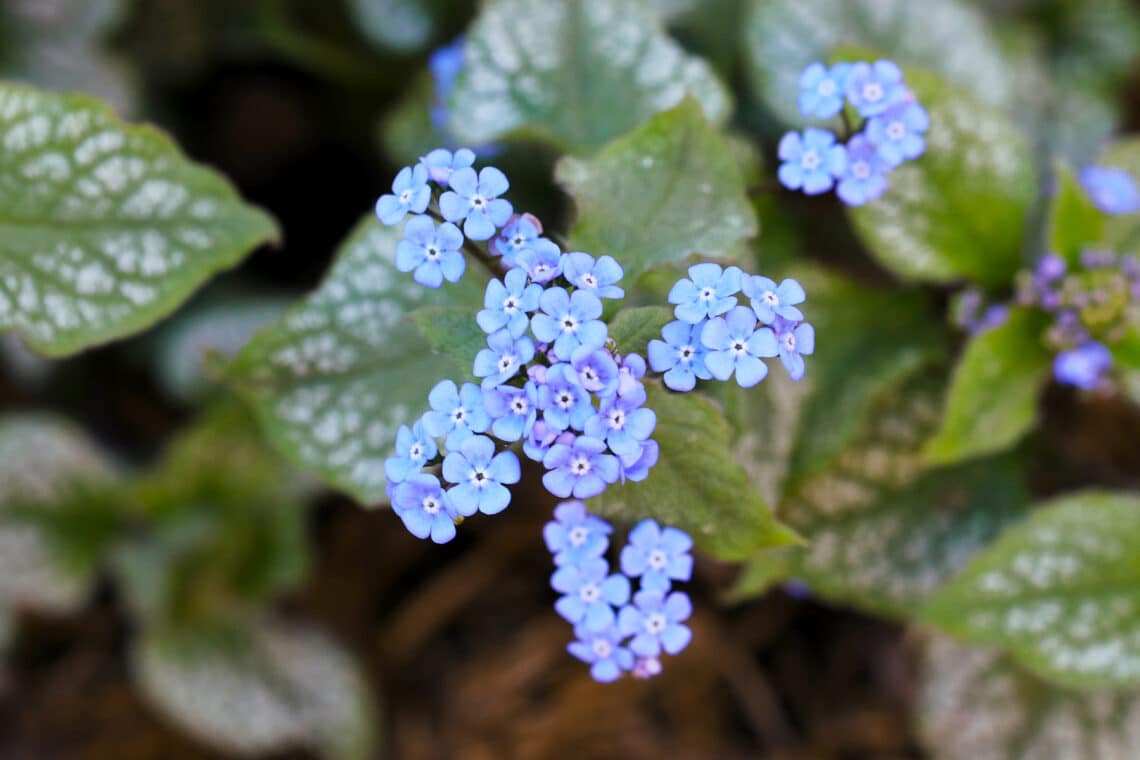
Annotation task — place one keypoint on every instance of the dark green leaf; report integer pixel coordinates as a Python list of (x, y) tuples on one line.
[(453, 331), (632, 329), (1074, 222)]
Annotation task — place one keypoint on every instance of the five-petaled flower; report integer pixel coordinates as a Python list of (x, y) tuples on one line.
[(474, 199), (507, 304), (864, 178), (770, 300), (569, 320), (656, 622), (707, 292), (513, 410), (658, 556), (581, 469), (735, 345), (575, 535), (432, 252), (794, 341), (414, 448), (602, 651), (456, 413), (424, 508), (410, 194), (822, 89), (440, 163), (589, 591), (481, 476), (874, 87), (503, 358), (897, 132), (597, 276), (681, 356), (811, 162), (623, 423)]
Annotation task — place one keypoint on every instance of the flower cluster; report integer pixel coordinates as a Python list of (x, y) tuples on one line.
[(618, 631), (715, 338), (892, 131)]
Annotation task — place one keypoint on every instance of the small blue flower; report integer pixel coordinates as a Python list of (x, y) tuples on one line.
[(735, 345), (603, 652), (411, 194), (445, 63), (564, 402), (1112, 190), (874, 87), (794, 340), (596, 370), (457, 413), (657, 622), (811, 162), (623, 423), (575, 535), (519, 234), (542, 437), (507, 303), (1084, 366), (659, 556), (599, 277), (581, 469), (707, 292), (569, 321), (542, 260), (503, 358), (474, 198), (897, 132), (425, 508), (681, 356), (864, 179), (432, 253), (631, 368), (770, 300), (822, 89), (589, 591), (513, 410), (637, 466), (414, 448), (440, 163), (481, 476)]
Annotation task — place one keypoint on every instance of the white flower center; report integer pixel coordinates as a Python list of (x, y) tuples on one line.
[(589, 280), (602, 648), (707, 294), (685, 353), (541, 271), (771, 298), (564, 400), (872, 92), (617, 419), (658, 560), (569, 324), (589, 593), (861, 169), (826, 88), (506, 363), (416, 452), (739, 346), (478, 201), (789, 340), (510, 305), (520, 406), (479, 477), (896, 130), (810, 160), (590, 374), (430, 505), (517, 241), (406, 197), (655, 624), (459, 414), (578, 535), (580, 466), (432, 253)]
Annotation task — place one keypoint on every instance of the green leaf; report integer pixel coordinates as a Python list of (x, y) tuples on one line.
[(573, 74), (959, 210), (1074, 223), (947, 36), (992, 401), (1122, 233), (665, 191), (334, 380), (1060, 592), (977, 703), (105, 227), (453, 331), (632, 329), (697, 485)]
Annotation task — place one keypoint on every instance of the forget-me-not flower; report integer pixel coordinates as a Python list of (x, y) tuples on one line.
[(735, 345), (897, 132), (811, 162), (513, 410), (822, 89), (596, 370), (542, 260), (502, 358), (1112, 190), (519, 234), (424, 508), (874, 87), (864, 178), (658, 555), (474, 199), (569, 320), (623, 423), (432, 252), (507, 304), (410, 194), (1083, 366), (456, 413), (637, 466), (681, 355), (481, 476), (794, 341), (565, 403), (440, 163), (414, 448), (770, 300), (575, 535), (657, 622), (589, 591), (595, 275), (707, 292), (603, 652), (581, 469)]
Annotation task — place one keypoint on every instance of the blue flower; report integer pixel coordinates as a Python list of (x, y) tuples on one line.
[(425, 508), (656, 622), (821, 89), (1112, 190), (623, 423), (770, 300), (542, 260), (565, 403), (874, 87), (864, 179), (589, 591), (735, 345), (681, 356), (897, 132), (414, 448), (811, 162), (575, 535), (707, 292), (475, 199), (542, 437), (596, 370), (445, 63), (1084, 366), (513, 410), (411, 194), (569, 321), (518, 235), (794, 341), (582, 271), (481, 476), (581, 469), (440, 163), (506, 304), (631, 368), (637, 467), (456, 413), (602, 651), (503, 358), (659, 556), (432, 253)]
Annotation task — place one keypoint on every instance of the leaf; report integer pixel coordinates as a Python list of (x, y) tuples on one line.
[(947, 36), (696, 484), (453, 331), (273, 688), (1122, 233), (976, 704), (1061, 592), (992, 401), (573, 74), (959, 210), (334, 380), (105, 227), (632, 329), (1074, 223), (665, 191)]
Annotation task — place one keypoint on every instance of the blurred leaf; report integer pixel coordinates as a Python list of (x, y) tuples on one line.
[(959, 210), (977, 704), (947, 36), (453, 331), (632, 329), (1061, 592), (334, 380), (993, 395), (669, 189), (696, 484), (273, 688), (574, 74), (706, 27), (1122, 233), (107, 227), (1074, 223), (406, 131), (403, 26)]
